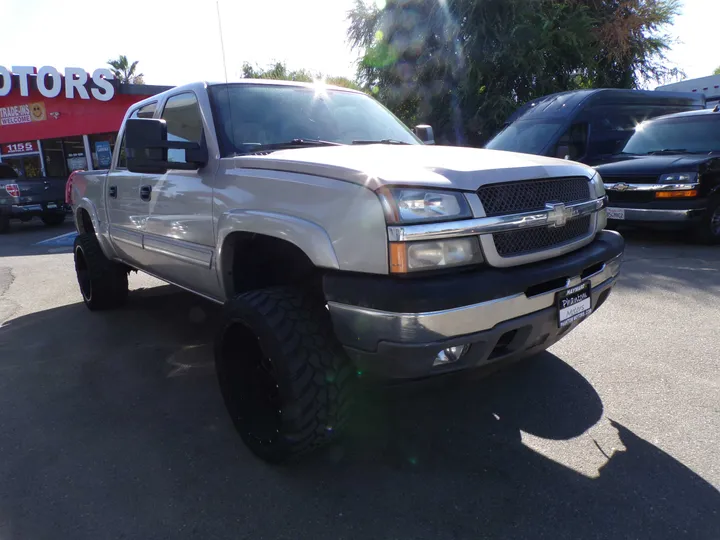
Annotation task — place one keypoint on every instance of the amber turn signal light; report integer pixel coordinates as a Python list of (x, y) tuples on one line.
[(676, 194), (398, 258)]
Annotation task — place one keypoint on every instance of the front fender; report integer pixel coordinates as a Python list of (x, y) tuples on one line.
[(307, 236)]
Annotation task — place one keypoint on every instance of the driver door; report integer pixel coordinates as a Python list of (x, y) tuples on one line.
[(126, 210)]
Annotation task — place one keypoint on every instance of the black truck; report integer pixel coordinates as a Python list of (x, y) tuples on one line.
[(586, 125), (24, 198), (668, 175)]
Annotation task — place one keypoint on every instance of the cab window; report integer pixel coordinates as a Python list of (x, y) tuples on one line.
[(184, 123), (573, 142), (147, 111)]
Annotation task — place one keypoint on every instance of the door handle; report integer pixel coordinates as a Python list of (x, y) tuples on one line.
[(112, 192), (145, 192)]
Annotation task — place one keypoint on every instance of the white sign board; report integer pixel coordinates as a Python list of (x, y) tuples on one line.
[(51, 83)]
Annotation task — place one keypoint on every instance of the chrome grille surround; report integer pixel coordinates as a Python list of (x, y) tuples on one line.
[(510, 248)]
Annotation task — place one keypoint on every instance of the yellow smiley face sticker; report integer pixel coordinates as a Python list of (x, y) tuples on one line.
[(37, 112)]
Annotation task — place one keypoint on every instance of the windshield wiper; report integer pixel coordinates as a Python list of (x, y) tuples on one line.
[(294, 143), (668, 151), (379, 141)]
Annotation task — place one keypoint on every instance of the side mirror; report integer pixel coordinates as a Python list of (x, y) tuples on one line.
[(562, 152), (146, 146), (425, 133)]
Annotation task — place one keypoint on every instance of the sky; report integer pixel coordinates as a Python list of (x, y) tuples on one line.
[(177, 41)]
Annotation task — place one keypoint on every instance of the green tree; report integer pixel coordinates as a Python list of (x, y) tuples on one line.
[(125, 72), (466, 65), (717, 71), (280, 71)]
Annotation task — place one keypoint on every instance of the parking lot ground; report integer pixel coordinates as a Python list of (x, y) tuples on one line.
[(112, 425)]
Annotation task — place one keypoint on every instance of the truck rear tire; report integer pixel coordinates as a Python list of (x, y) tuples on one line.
[(286, 381), (4, 224), (53, 219), (103, 283)]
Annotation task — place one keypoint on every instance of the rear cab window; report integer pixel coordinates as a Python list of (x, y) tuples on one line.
[(184, 123)]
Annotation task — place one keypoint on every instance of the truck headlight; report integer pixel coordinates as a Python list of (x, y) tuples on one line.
[(597, 183), (409, 205), (678, 178), (434, 255)]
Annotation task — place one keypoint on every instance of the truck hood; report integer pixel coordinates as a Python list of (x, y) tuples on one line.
[(377, 165), (654, 165)]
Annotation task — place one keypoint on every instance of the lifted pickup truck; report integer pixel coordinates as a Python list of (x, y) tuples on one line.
[(26, 198), (340, 245)]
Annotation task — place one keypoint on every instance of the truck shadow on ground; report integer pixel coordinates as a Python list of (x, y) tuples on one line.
[(113, 426)]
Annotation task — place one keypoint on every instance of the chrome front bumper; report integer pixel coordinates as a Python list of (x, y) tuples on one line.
[(365, 328), (656, 215)]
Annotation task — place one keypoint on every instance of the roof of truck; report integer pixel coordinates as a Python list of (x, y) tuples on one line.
[(701, 112)]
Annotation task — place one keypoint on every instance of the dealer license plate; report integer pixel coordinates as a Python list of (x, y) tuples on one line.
[(616, 213), (574, 304)]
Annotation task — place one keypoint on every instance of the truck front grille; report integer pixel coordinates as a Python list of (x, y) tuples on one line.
[(512, 243), (532, 195), (630, 179)]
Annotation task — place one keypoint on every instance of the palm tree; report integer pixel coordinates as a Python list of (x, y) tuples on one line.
[(124, 71)]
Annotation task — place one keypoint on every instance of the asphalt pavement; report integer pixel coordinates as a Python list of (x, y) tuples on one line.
[(112, 425)]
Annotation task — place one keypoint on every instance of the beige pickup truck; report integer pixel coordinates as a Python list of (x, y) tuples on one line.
[(340, 243)]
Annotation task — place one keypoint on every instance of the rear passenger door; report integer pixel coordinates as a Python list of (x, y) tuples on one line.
[(179, 235), (126, 210)]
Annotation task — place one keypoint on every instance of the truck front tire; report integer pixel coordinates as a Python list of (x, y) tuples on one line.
[(708, 230), (103, 283), (286, 381)]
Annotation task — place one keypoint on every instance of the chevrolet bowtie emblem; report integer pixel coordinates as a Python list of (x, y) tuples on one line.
[(621, 187), (558, 214)]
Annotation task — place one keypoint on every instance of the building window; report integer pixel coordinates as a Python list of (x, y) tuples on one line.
[(102, 146), (75, 157), (63, 156), (25, 166), (54, 158)]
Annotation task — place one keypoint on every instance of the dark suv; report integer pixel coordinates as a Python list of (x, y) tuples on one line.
[(668, 175), (586, 125)]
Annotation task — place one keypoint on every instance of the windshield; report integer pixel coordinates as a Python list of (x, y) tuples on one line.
[(529, 137), (253, 116), (688, 134)]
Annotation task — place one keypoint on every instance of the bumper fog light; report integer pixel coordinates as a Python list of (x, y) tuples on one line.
[(450, 355)]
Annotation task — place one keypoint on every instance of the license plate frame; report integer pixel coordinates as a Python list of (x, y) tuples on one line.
[(616, 213), (574, 304)]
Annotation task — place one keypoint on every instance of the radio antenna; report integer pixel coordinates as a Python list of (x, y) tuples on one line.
[(227, 85), (222, 41)]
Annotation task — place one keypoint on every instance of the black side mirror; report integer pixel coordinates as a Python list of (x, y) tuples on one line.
[(146, 146), (425, 133)]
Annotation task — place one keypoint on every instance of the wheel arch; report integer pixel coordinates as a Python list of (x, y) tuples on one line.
[(270, 239)]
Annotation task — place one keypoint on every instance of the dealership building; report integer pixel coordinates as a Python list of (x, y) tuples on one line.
[(53, 122)]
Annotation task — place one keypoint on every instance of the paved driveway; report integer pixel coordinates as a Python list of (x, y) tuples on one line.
[(112, 425)]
